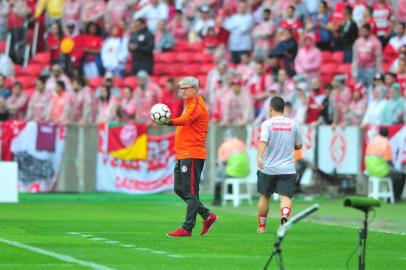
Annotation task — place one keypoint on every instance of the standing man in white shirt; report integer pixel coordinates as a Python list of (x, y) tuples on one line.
[(280, 137), (240, 27)]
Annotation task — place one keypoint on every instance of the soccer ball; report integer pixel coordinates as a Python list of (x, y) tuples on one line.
[(160, 113)]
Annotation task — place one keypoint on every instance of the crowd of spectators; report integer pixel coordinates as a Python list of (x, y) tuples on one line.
[(260, 48)]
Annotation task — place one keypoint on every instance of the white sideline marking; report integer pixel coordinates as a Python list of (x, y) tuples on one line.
[(55, 255), (143, 249), (87, 235), (74, 233), (98, 239), (175, 256), (112, 242), (158, 252), (127, 245), (352, 227)]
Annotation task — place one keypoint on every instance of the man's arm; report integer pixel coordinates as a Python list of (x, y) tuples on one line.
[(189, 116), (262, 144), (261, 150), (298, 146), (298, 138)]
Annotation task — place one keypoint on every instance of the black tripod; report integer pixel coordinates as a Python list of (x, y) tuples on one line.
[(362, 242), (277, 253)]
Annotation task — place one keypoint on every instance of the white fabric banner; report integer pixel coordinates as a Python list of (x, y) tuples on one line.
[(139, 177), (339, 150), (37, 170)]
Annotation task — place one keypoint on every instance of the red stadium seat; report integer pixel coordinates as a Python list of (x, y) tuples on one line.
[(206, 68), (326, 57), (27, 81), (118, 82), (189, 70), (185, 57), (181, 46), (162, 81), (41, 58), (161, 69), (130, 81), (204, 58), (2, 46), (29, 92), (344, 69), (202, 80), (195, 46), (96, 82), (168, 57), (337, 57), (329, 68), (30, 70), (176, 70), (18, 70)]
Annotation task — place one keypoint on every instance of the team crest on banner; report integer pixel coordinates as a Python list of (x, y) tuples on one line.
[(128, 141)]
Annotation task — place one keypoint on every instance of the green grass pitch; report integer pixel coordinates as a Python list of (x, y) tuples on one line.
[(112, 231)]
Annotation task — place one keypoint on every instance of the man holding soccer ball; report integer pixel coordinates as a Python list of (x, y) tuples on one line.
[(190, 147)]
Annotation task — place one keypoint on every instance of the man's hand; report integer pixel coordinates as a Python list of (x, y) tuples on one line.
[(260, 163)]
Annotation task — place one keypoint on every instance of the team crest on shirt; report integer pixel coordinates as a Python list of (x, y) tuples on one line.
[(184, 168)]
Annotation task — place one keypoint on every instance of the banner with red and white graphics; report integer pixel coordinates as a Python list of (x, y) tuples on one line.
[(309, 143), (137, 176), (397, 137), (39, 161), (339, 149)]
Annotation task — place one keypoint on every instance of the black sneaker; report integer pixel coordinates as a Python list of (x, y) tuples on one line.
[(284, 220)]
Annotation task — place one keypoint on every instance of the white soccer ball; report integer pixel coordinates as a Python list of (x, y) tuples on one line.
[(160, 113)]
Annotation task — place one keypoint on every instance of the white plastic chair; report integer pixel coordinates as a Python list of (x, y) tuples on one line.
[(236, 195), (376, 191)]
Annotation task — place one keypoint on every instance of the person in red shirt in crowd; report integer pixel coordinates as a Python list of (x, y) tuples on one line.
[(83, 103), (237, 106), (359, 8), (308, 58), (211, 40), (222, 91), (179, 26), (245, 69), (314, 103), (259, 84), (146, 95), (392, 49), (106, 106), (92, 45), (127, 106), (117, 11), (71, 11), (16, 17), (54, 39), (72, 61), (369, 19), (93, 11), (383, 16), (339, 11), (356, 109), (170, 97), (340, 98), (284, 85), (17, 102), (291, 23), (39, 102), (272, 66), (264, 34)]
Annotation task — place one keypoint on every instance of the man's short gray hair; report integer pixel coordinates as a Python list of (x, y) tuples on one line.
[(190, 80)]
